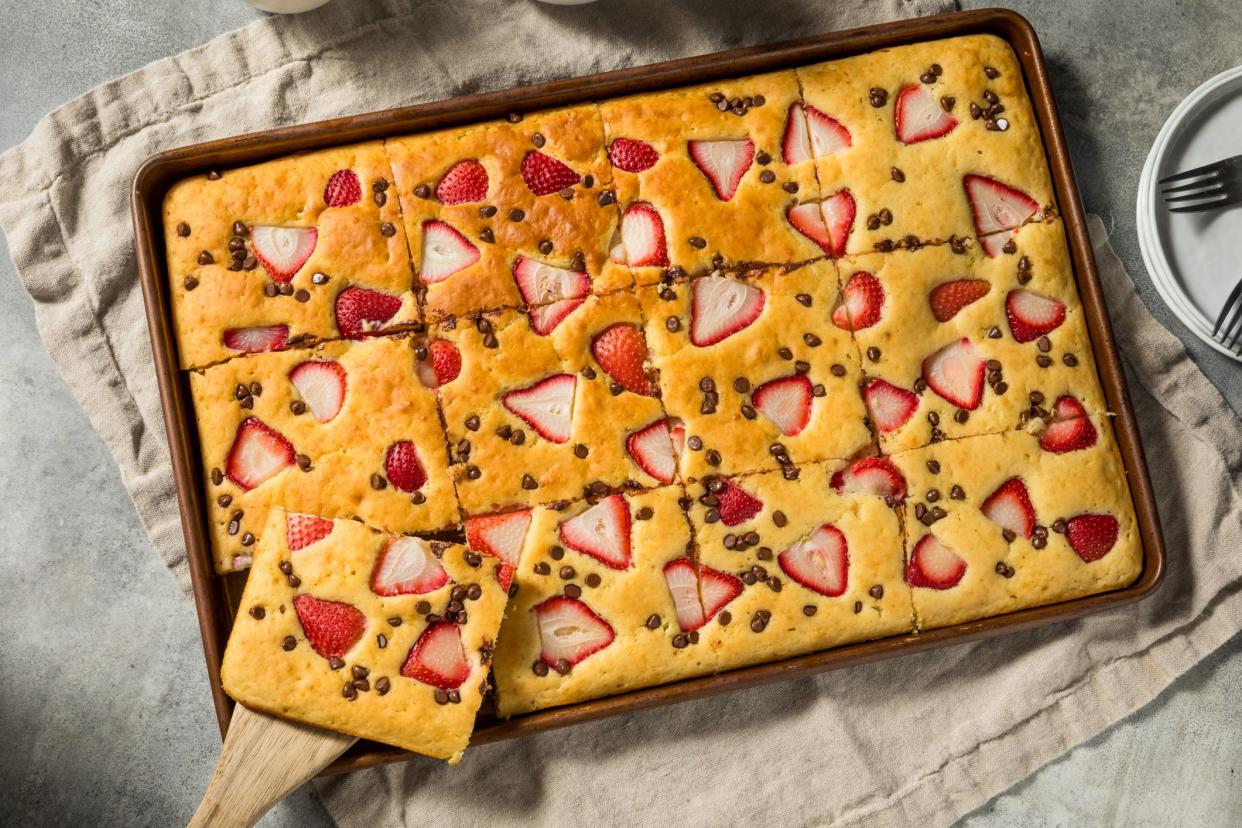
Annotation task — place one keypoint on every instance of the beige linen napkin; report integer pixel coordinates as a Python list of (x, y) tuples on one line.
[(921, 739)]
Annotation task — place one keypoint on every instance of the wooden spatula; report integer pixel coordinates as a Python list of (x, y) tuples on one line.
[(264, 757)]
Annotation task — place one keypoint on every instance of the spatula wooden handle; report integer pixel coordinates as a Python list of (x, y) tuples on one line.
[(264, 757)]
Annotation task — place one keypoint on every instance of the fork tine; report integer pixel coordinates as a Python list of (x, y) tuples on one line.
[(1206, 168), (1229, 306), (1214, 179), (1216, 189), (1215, 204), (1229, 337)]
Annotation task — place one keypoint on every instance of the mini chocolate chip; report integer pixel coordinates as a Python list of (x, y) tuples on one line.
[(1010, 247), (784, 353), (537, 140), (270, 290), (838, 370), (957, 493), (302, 295), (695, 442), (183, 229), (257, 613), (897, 175), (542, 568), (962, 415), (593, 580), (335, 663), (886, 217), (545, 247), (802, 366), (487, 235), (606, 197), (790, 186), (422, 608), (213, 176), (947, 103), (697, 242), (473, 473), (878, 97), (1070, 360), (645, 513), (680, 640), (580, 451), (190, 283), (1043, 360), (517, 214), (567, 193), (381, 641), (712, 457), (387, 230), (518, 437), (529, 482), (514, 117), (812, 340), (539, 668), (767, 176), (927, 77), (991, 72), (994, 332), (563, 666), (873, 353)]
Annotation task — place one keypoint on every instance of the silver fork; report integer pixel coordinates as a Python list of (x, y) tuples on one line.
[(1227, 330), (1209, 187)]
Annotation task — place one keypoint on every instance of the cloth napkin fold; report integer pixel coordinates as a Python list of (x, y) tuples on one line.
[(921, 739)]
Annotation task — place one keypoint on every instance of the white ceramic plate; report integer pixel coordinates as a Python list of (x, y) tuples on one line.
[(1194, 259)]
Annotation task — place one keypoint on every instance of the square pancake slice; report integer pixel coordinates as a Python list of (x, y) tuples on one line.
[(300, 248), (1002, 522), (346, 429), (754, 369), (701, 177), (386, 637), (594, 612), (942, 143), (808, 568), (959, 344)]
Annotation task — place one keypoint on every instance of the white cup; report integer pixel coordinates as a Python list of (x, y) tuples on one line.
[(286, 6)]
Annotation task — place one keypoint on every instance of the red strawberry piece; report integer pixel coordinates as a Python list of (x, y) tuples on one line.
[(1009, 507), (820, 563), (890, 407), (442, 365), (839, 211), (723, 162), (956, 372), (642, 238), (569, 631), (501, 536), (651, 448), (407, 566), (445, 252), (736, 505), (282, 250), (721, 307), (1032, 315), (343, 189), (1091, 536), (601, 532), (1071, 428), (540, 283), (402, 467), (785, 401), (870, 476), (545, 175), (438, 658), (683, 585), (257, 340), (545, 318), (621, 351), (331, 627), (810, 133), (677, 434), (547, 406), (303, 530), (860, 303), (934, 565), (321, 384), (360, 311), (918, 116), (258, 454), (632, 156), (465, 181), (997, 206), (948, 298), (716, 589), (808, 219), (994, 245)]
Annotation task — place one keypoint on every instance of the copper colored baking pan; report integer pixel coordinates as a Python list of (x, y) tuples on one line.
[(217, 597)]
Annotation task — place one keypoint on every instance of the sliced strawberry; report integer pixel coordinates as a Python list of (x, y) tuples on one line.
[(997, 206), (547, 406), (956, 373), (282, 250), (407, 566), (934, 565), (677, 434), (723, 162), (621, 351), (860, 302), (808, 219), (545, 318), (870, 476), (736, 505), (642, 238), (839, 211), (438, 658), (303, 530), (360, 311), (785, 401), (331, 627), (258, 454), (820, 563), (632, 156), (918, 116), (683, 585), (442, 365), (257, 340), (1071, 428), (810, 133), (540, 282), (602, 532), (465, 181), (1032, 315), (721, 307), (569, 631), (716, 589), (445, 252), (890, 407), (321, 384), (1009, 507), (651, 449), (545, 175), (501, 536), (404, 470), (343, 189), (994, 245), (1092, 536), (948, 298)]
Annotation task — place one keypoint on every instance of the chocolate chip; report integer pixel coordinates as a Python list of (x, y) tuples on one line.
[(1043, 360), (381, 641), (529, 483), (302, 295), (947, 103), (991, 73), (537, 140), (335, 663), (518, 437), (573, 591), (990, 96), (933, 466), (1070, 360), (802, 366), (567, 194), (387, 230), (606, 197), (697, 242), (680, 640), (487, 235), (545, 247), (885, 216), (514, 117), (976, 112), (563, 666), (897, 175), (504, 431), (784, 353), (838, 370), (878, 97), (957, 493), (767, 176), (812, 340), (873, 222), (580, 451), (542, 568), (790, 186), (517, 214), (873, 353), (645, 513), (472, 422), (1010, 247), (473, 473), (1009, 535), (592, 580), (712, 457), (539, 668), (213, 176)]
